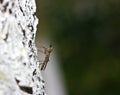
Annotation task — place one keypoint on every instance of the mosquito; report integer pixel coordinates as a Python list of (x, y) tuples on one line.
[(47, 51)]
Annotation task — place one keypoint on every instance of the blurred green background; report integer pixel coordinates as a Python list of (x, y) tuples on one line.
[(86, 34)]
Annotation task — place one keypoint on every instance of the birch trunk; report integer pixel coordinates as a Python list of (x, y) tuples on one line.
[(19, 71)]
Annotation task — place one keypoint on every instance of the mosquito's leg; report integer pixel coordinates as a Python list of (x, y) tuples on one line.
[(45, 65), (42, 66)]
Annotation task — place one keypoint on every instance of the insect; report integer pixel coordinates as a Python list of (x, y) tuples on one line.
[(47, 51)]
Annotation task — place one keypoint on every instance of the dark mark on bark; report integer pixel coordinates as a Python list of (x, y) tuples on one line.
[(32, 79), (10, 11), (17, 81), (43, 86), (26, 89), (23, 32), (30, 43), (6, 37), (38, 78), (22, 11), (5, 6), (30, 55), (43, 81), (34, 72), (24, 63), (33, 36)]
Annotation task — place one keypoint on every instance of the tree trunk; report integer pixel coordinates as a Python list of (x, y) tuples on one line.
[(19, 71)]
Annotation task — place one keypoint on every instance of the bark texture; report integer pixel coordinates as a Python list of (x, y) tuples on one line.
[(19, 71)]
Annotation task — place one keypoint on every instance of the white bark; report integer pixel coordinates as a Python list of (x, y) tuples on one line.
[(19, 73)]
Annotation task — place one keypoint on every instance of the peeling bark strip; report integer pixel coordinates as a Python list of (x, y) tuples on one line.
[(19, 73)]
